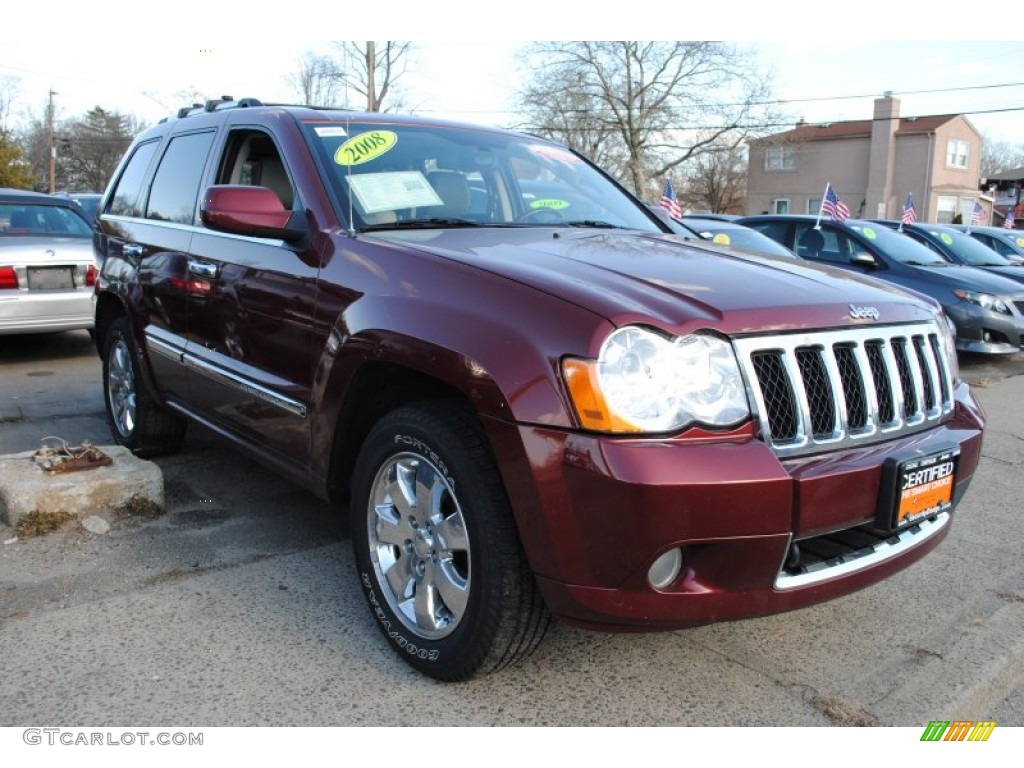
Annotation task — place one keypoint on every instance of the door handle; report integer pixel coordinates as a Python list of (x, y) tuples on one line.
[(203, 269), (132, 250)]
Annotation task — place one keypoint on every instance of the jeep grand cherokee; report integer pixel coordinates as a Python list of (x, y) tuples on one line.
[(533, 398)]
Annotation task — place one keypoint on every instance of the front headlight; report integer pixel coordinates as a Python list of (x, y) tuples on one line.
[(983, 300), (645, 382)]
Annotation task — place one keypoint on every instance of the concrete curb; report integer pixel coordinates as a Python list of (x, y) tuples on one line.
[(25, 488)]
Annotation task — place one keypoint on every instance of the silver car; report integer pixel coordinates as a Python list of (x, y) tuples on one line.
[(47, 264)]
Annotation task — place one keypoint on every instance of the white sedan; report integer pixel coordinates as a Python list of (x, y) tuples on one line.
[(47, 264)]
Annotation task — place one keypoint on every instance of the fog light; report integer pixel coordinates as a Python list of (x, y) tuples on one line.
[(666, 568)]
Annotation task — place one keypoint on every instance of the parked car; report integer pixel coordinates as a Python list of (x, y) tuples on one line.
[(958, 247), (721, 233), (89, 202), (986, 308), (46, 264), (1008, 243), (530, 396), (732, 235), (705, 215)]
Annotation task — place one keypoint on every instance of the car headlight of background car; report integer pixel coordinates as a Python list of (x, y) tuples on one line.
[(983, 300), (644, 381)]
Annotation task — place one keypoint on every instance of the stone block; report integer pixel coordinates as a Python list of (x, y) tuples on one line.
[(25, 487)]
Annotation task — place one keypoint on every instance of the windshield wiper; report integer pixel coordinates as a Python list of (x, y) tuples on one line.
[(591, 223), (926, 263), (434, 223)]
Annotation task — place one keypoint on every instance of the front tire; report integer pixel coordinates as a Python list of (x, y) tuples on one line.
[(436, 547), (135, 419)]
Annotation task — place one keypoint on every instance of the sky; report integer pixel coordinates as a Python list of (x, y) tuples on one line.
[(824, 75)]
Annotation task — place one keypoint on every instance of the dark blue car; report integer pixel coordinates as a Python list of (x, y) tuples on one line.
[(958, 247), (987, 309)]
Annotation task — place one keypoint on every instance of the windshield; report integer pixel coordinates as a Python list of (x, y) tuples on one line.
[(967, 250), (740, 237), (27, 219), (394, 175), (898, 246)]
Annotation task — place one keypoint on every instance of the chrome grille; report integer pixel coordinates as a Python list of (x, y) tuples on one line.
[(820, 391)]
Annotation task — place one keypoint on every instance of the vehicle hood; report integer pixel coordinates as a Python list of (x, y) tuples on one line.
[(955, 276), (1013, 272), (639, 277)]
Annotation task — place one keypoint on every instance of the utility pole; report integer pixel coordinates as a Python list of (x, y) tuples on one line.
[(371, 66), (53, 148)]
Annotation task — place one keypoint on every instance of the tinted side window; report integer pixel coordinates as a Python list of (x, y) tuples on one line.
[(126, 193), (776, 230), (998, 246), (824, 244), (252, 158), (176, 184)]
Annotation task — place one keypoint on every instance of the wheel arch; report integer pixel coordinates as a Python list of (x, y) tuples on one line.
[(376, 389)]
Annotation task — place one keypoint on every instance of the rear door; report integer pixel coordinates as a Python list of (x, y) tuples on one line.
[(148, 228)]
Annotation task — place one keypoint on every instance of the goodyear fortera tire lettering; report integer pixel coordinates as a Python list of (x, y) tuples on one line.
[(436, 548)]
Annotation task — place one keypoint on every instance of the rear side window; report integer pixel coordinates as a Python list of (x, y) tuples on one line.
[(776, 230), (175, 187), (126, 194)]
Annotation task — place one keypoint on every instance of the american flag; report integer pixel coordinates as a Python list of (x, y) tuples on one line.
[(669, 202), (909, 214), (833, 206), (977, 214), (1009, 223)]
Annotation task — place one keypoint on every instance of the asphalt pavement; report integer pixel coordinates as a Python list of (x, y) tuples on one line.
[(239, 606)]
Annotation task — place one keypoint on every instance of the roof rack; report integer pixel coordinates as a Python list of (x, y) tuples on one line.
[(215, 105)]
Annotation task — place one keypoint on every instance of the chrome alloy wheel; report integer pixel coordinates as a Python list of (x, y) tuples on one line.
[(419, 546), (121, 387)]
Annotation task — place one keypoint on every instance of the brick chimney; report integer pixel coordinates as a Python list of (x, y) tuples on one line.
[(880, 198)]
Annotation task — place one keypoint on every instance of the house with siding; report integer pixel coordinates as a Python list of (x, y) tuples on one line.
[(872, 164)]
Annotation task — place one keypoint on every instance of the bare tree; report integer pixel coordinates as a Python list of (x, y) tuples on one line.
[(88, 148), (34, 140), (717, 181), (372, 70), (571, 117), (93, 146), (998, 156), (661, 103), (319, 80), (8, 93)]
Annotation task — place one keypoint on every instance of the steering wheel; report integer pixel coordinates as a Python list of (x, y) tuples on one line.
[(542, 216)]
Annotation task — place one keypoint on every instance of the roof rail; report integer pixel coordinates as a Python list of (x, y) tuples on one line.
[(216, 105)]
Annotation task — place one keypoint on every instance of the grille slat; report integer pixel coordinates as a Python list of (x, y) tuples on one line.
[(820, 391)]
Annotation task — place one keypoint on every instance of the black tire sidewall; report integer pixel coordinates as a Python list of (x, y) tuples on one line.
[(458, 655)]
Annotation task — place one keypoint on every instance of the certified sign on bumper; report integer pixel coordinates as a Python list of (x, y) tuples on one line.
[(917, 488)]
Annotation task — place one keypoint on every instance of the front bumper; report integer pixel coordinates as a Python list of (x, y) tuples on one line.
[(984, 331), (594, 513)]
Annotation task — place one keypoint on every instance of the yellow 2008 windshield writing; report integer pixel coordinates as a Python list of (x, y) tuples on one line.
[(365, 147)]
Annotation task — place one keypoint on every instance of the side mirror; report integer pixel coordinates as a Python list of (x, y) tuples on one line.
[(864, 259), (245, 210)]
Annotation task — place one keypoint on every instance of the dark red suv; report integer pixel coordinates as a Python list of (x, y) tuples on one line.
[(531, 396)]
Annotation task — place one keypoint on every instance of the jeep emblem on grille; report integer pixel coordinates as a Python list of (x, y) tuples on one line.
[(864, 313)]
